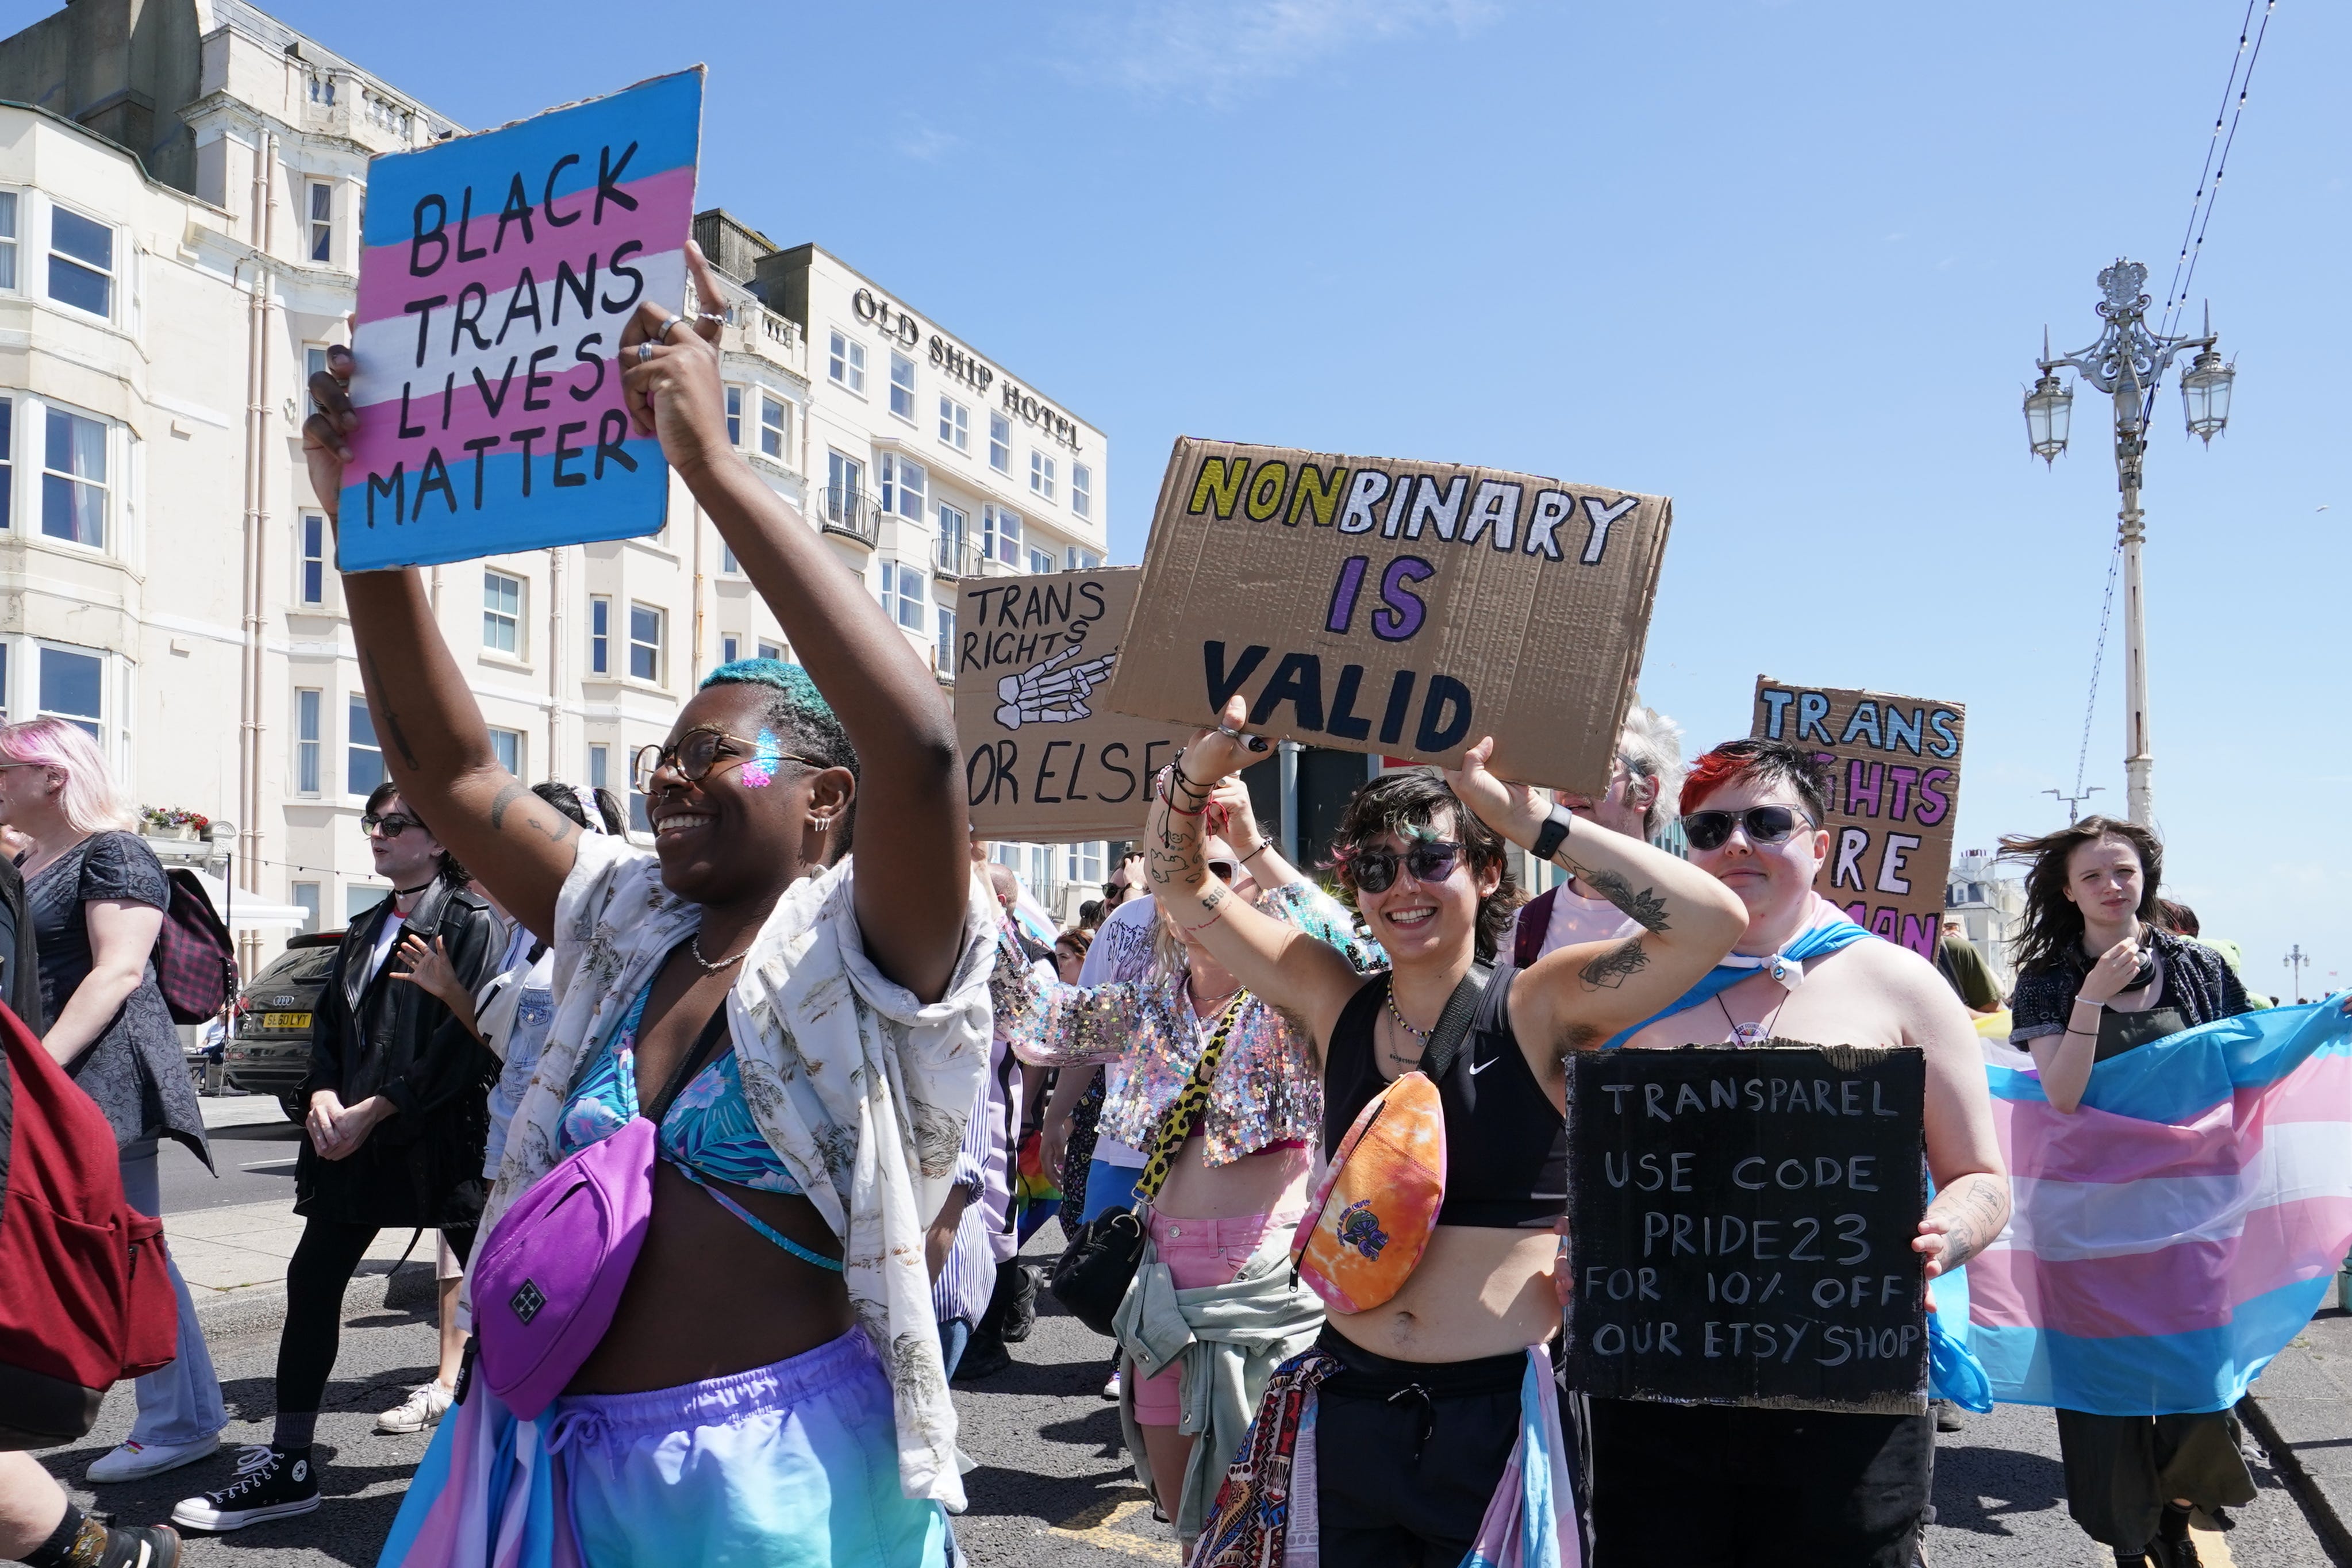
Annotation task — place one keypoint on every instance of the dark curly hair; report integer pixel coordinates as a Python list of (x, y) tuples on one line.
[(2053, 931), (1411, 801)]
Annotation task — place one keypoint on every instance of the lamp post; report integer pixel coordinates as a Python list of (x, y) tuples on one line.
[(2294, 961), (2127, 363)]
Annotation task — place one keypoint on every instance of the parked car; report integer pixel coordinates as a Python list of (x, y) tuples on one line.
[(268, 1045)]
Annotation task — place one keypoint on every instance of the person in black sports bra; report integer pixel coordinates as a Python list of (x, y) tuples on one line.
[(1420, 1398)]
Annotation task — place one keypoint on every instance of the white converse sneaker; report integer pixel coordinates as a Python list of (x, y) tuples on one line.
[(270, 1484), (129, 1461), (1111, 1389), (421, 1411)]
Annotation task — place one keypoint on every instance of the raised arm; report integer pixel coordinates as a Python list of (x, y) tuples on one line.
[(1584, 993), (914, 860)]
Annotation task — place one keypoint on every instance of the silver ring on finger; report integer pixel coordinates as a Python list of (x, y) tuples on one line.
[(666, 327), (710, 315), (645, 353)]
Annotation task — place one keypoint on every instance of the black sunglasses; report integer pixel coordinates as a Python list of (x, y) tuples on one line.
[(1763, 825), (391, 825), (1374, 871)]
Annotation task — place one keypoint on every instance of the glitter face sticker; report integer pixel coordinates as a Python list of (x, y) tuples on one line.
[(761, 771)]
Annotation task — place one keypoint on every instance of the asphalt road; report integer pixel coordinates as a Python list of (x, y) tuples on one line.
[(253, 1154)]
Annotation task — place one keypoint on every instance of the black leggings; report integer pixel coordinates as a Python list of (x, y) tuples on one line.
[(323, 1263)]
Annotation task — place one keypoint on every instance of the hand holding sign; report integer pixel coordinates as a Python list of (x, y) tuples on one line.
[(1516, 811), (670, 379)]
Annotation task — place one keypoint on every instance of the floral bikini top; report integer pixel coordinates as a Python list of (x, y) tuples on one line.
[(708, 1133)]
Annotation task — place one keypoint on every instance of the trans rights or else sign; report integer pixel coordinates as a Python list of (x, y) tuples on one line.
[(1405, 609), (1895, 790), (497, 272), (1044, 760), (1739, 1226)]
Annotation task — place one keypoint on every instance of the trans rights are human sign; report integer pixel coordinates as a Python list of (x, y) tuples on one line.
[(497, 272)]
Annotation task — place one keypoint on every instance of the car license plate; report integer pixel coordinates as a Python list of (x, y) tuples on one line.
[(286, 1020)]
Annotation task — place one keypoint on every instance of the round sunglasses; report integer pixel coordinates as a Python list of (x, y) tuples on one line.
[(391, 825), (1374, 871), (1762, 824)]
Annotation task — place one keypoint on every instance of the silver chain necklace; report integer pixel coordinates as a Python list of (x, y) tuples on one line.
[(695, 945)]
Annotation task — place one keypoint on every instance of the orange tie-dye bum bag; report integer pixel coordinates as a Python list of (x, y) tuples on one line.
[(1369, 1220)]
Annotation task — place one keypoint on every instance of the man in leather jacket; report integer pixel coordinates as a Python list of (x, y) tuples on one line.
[(398, 1097)]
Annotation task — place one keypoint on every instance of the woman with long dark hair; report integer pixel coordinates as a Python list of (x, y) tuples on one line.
[(769, 1386), (1424, 1396), (2098, 976)]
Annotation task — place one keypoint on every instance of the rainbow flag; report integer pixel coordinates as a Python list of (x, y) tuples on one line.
[(2173, 1234), (497, 272)]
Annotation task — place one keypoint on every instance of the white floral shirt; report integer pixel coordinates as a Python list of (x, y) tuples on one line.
[(861, 1089)]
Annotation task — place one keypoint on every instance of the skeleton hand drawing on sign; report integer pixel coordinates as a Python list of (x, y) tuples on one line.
[(1047, 694)]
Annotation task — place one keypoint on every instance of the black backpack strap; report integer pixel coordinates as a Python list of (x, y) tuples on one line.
[(683, 1075), (1453, 1023), (1528, 932)]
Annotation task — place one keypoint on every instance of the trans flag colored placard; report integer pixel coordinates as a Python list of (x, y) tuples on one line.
[(497, 273), (2171, 1235)]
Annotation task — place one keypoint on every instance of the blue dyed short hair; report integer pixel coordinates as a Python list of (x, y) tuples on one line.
[(799, 713)]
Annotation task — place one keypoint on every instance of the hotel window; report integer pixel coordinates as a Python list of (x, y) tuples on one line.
[(308, 707), (846, 362), (73, 480), (1085, 862), (600, 636), (359, 898), (7, 239), (734, 415), (1000, 444), (600, 767), (902, 386), (903, 594), (954, 529), (502, 613), (1041, 475), (73, 686), (955, 424), (903, 484), (82, 262), (947, 641), (507, 746), (306, 898), (1078, 560), (999, 535), (3, 681), (775, 427), (362, 758), (314, 360), (1082, 489), (8, 461), (772, 650), (314, 559), (1040, 560), (726, 561), (730, 650), (323, 221), (646, 642)]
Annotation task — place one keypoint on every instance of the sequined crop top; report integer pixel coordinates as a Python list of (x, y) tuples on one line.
[(1265, 1093), (709, 1131)]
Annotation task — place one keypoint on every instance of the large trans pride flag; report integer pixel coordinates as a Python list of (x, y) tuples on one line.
[(497, 272), (2172, 1235)]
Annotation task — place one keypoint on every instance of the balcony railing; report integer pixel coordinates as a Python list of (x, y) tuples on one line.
[(955, 557), (764, 331), (850, 512)]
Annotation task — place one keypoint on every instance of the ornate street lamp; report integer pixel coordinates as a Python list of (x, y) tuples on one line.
[(2127, 363)]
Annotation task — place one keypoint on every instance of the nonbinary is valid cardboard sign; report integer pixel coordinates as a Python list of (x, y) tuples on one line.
[(1404, 609), (497, 272), (1895, 788), (1740, 1221), (1045, 761)]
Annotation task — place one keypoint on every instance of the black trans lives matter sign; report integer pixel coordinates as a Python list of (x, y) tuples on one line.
[(1740, 1221)]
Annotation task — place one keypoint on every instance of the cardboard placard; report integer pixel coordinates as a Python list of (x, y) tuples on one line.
[(1404, 609), (1740, 1221), (1045, 760), (1895, 790), (497, 272)]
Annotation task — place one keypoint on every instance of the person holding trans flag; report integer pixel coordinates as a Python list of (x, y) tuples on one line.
[(2099, 977), (1837, 1489)]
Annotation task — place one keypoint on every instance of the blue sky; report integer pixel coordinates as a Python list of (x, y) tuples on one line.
[(1789, 263)]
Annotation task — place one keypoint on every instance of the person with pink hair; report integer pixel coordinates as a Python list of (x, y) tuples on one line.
[(96, 897)]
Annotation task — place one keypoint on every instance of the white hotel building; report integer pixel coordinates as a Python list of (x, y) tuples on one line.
[(179, 185)]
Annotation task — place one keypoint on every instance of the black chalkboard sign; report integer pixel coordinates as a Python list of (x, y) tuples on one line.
[(1740, 1221)]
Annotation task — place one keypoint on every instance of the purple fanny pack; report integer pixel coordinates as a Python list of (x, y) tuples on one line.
[(550, 1274)]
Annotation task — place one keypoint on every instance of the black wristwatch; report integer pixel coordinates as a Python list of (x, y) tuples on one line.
[(1554, 834)]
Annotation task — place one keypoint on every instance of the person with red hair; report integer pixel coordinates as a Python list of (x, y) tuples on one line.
[(1849, 1488)]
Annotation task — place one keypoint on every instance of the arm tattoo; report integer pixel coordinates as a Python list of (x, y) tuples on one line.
[(554, 823), (391, 719), (1617, 965), (1976, 1228), (1645, 909), (506, 796)]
